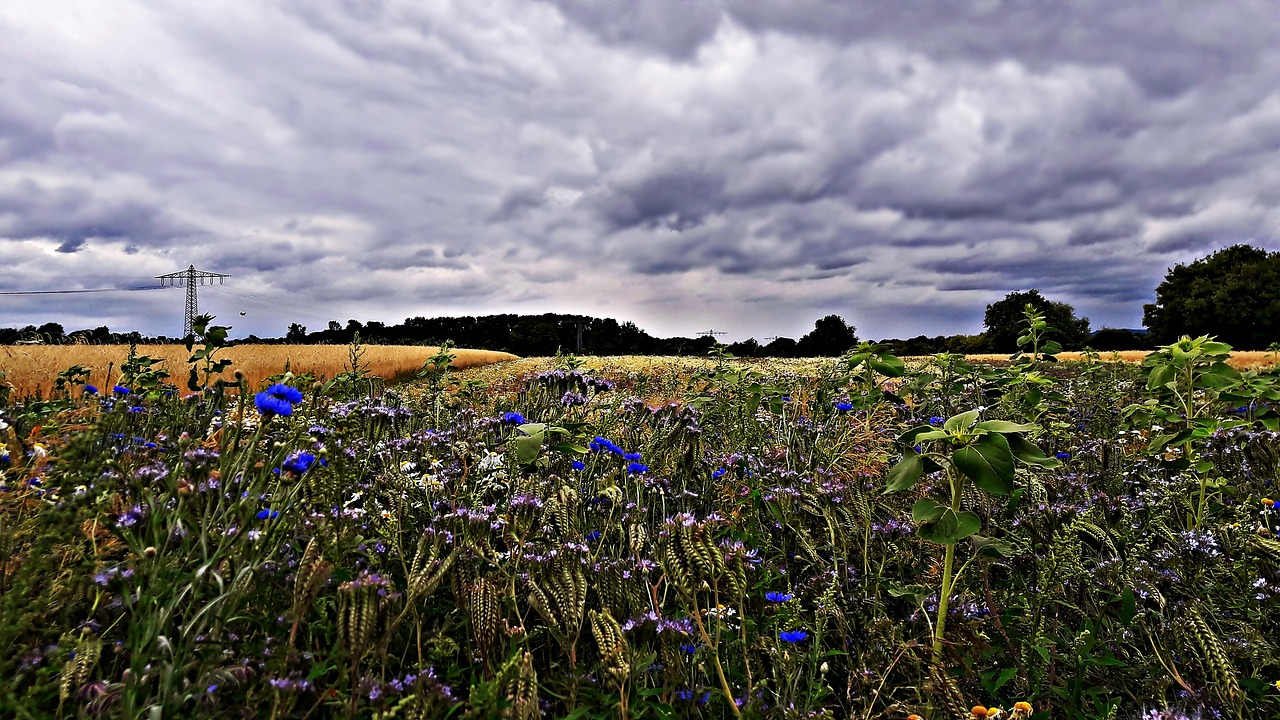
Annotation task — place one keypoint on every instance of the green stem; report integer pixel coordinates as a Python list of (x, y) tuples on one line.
[(944, 593), (943, 597)]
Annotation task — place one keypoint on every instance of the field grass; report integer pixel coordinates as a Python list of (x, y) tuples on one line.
[(32, 368), (644, 537)]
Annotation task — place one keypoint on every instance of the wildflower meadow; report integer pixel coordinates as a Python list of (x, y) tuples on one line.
[(865, 537)]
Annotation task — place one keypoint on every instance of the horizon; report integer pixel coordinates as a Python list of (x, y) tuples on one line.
[(746, 167)]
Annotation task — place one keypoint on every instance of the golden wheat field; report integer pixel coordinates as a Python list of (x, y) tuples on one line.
[(31, 368)]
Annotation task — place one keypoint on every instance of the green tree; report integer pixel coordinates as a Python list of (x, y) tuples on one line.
[(1233, 294), (1004, 321), (830, 336)]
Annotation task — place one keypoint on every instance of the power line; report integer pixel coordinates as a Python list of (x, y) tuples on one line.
[(75, 292)]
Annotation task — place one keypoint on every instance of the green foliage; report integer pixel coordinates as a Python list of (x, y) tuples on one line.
[(831, 336), (1004, 325), (598, 544), (1233, 294), (211, 338)]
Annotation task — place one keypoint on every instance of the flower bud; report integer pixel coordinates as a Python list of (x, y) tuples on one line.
[(149, 552), (824, 668)]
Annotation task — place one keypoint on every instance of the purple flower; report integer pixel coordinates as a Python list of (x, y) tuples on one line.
[(792, 636)]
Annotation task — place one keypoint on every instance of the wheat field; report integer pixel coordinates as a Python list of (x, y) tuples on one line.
[(32, 368)]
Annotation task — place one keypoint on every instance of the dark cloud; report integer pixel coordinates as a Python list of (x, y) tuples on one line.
[(668, 161)]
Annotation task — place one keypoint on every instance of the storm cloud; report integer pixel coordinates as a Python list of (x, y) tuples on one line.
[(745, 165)]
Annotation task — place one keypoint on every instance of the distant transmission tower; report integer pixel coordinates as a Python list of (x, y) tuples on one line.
[(189, 277), (711, 333)]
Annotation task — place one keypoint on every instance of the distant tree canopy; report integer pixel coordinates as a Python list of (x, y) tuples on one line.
[(1233, 294), (830, 336), (1003, 321)]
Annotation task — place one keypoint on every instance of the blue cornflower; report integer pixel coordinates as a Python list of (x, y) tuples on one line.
[(844, 407), (579, 465), (592, 536), (684, 694), (299, 463), (718, 474), (1064, 456), (513, 418), (278, 399), (268, 404), (689, 649), (268, 514), (602, 444), (777, 597), (90, 390), (121, 390), (212, 688), (631, 456), (793, 636), (935, 420), (636, 468)]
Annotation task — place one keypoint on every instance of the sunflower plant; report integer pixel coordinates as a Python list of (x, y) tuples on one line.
[(982, 452)]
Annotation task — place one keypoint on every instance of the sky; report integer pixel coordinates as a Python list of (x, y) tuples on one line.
[(744, 166)]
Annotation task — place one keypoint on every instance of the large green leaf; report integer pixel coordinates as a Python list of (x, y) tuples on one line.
[(941, 531), (905, 474), (988, 462), (967, 524), (529, 443), (1028, 452), (963, 421), (1221, 375), (950, 527), (1003, 426), (909, 437), (887, 365), (927, 510), (1161, 376)]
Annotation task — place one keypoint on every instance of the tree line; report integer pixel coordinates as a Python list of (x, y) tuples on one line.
[(1233, 294)]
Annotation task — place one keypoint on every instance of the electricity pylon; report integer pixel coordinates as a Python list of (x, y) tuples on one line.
[(189, 277), (712, 333)]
